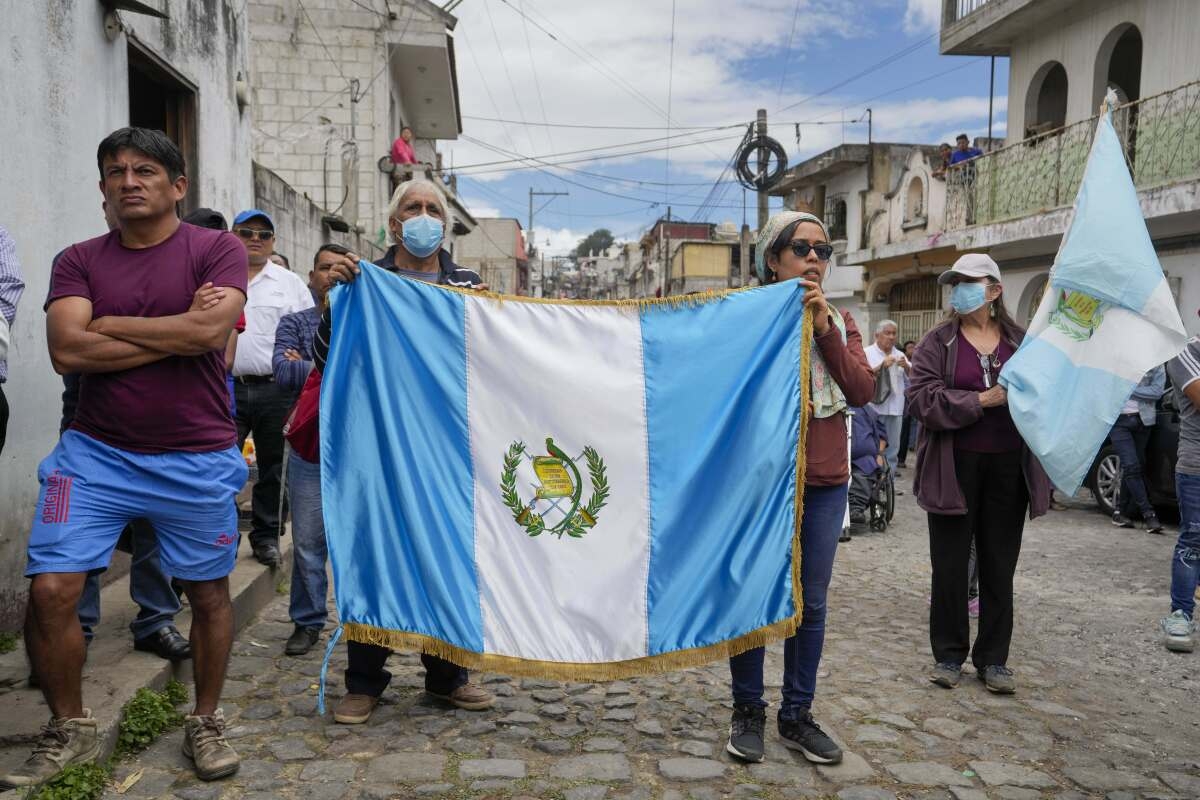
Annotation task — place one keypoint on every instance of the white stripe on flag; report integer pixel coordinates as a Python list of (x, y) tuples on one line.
[(580, 384)]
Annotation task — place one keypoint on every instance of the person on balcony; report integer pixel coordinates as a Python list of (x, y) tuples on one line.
[(964, 151), (403, 156)]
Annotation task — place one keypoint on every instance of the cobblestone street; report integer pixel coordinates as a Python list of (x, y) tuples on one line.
[(1102, 709)]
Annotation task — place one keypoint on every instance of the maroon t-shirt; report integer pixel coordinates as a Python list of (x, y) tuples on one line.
[(180, 402), (995, 433)]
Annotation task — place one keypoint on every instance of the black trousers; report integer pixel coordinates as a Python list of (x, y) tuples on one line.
[(262, 408), (365, 673), (997, 500)]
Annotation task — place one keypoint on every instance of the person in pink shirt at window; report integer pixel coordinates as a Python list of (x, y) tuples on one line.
[(402, 149)]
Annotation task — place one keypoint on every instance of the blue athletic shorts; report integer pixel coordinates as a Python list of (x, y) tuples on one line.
[(91, 490)]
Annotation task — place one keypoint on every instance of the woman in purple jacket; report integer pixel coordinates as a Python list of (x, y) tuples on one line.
[(974, 475)]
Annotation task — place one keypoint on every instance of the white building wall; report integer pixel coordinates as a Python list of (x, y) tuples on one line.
[(1170, 31), (65, 87), (297, 84)]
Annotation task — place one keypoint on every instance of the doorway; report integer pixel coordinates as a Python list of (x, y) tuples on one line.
[(162, 99)]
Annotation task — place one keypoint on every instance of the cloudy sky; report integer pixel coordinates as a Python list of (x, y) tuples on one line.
[(607, 68)]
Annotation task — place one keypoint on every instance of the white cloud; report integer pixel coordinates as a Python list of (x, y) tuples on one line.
[(922, 16)]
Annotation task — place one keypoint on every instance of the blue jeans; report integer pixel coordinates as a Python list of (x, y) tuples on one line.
[(148, 587), (1129, 438), (310, 585), (1185, 562), (824, 509)]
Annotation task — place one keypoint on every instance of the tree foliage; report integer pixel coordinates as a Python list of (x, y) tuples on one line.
[(597, 241)]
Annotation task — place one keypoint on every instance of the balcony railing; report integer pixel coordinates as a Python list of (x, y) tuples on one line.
[(962, 8), (1160, 135)]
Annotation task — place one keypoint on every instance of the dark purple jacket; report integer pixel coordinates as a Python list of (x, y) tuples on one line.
[(941, 410)]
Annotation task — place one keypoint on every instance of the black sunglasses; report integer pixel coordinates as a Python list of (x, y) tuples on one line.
[(251, 233), (801, 249)]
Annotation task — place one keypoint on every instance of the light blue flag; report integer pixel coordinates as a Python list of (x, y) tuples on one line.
[(577, 491), (1107, 318)]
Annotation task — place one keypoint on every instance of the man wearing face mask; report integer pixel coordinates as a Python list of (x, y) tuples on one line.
[(416, 221), (975, 476)]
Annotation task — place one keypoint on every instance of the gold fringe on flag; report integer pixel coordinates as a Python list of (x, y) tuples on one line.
[(648, 665)]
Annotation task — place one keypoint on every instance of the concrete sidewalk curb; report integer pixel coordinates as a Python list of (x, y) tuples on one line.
[(115, 671)]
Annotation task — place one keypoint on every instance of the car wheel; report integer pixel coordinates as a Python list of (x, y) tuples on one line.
[(1106, 479)]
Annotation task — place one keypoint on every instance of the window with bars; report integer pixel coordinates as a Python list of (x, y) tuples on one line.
[(916, 306), (835, 217)]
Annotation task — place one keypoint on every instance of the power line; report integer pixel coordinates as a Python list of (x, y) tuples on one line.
[(583, 159), (653, 203), (912, 48), (585, 126), (537, 81), (512, 86), (488, 89), (787, 58), (368, 8), (670, 87), (599, 148), (599, 175), (337, 65)]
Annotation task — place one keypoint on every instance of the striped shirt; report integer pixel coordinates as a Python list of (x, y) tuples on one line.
[(294, 332), (1184, 370), (11, 287), (448, 274)]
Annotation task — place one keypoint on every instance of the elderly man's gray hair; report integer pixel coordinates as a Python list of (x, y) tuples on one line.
[(885, 323), (407, 186)]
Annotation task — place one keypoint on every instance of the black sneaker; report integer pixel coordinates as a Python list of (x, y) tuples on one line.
[(805, 735), (1121, 521), (301, 641), (746, 732), (946, 674), (1153, 525)]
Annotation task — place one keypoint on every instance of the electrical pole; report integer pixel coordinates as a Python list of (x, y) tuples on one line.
[(760, 128), (530, 240), (744, 260), (666, 264)]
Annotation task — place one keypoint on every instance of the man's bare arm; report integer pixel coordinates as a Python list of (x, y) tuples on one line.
[(74, 349), (192, 333)]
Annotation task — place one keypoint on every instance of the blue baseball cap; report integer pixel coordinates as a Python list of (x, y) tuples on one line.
[(254, 213)]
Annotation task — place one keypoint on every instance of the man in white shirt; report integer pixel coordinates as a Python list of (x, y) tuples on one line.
[(884, 355), (261, 407)]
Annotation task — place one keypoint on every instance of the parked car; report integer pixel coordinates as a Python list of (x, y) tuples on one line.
[(1104, 477)]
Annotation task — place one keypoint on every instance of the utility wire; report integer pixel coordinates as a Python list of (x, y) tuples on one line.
[(912, 48), (537, 81), (512, 86), (585, 126), (600, 148), (328, 54), (598, 175), (519, 158), (787, 57), (488, 89), (670, 87), (368, 8), (653, 203)]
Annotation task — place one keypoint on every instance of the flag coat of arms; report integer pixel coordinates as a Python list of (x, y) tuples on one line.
[(559, 489), (1107, 317)]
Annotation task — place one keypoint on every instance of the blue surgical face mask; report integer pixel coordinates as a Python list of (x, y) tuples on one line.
[(968, 297), (422, 235)]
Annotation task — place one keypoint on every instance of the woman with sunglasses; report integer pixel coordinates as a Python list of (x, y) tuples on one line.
[(795, 245), (974, 475)]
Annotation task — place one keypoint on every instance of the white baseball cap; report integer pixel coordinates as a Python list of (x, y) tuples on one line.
[(972, 265)]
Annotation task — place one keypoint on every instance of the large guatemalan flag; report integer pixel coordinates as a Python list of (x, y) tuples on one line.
[(1106, 319), (559, 489)]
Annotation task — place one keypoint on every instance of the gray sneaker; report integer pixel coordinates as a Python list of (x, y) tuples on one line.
[(997, 679), (1177, 629), (62, 742), (946, 674), (204, 743)]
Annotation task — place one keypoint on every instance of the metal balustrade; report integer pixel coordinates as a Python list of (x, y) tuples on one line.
[(1160, 135)]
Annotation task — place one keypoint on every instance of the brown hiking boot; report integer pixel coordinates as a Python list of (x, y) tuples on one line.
[(468, 696), (204, 743), (62, 742), (354, 709)]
